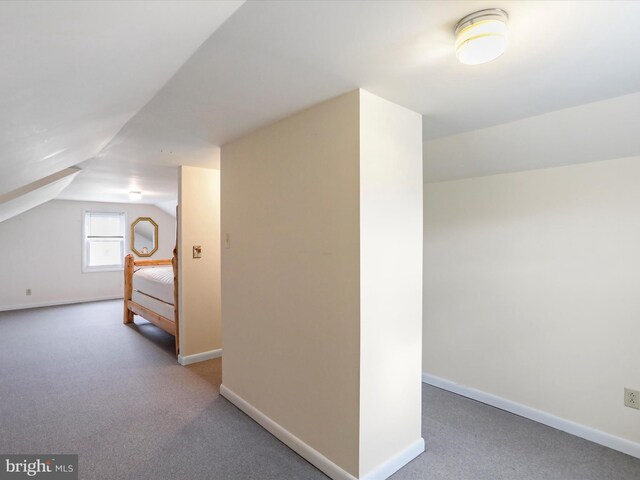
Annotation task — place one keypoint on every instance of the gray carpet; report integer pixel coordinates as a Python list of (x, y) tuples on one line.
[(73, 379)]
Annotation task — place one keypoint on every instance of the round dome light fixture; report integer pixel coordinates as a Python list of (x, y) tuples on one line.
[(482, 36)]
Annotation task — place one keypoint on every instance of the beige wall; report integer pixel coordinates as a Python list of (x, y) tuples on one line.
[(390, 279), (199, 278), (42, 248), (302, 201), (530, 289), (291, 277)]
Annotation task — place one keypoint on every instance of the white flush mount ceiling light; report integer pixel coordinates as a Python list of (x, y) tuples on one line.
[(135, 195), (482, 36)]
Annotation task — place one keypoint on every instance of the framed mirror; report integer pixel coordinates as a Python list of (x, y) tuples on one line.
[(144, 237)]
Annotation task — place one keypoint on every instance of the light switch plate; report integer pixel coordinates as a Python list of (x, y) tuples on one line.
[(197, 251)]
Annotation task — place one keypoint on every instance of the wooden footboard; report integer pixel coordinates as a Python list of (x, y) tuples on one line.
[(132, 308)]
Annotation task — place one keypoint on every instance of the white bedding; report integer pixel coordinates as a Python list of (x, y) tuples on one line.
[(154, 305), (156, 282)]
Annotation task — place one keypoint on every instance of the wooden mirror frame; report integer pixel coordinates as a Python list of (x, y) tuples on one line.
[(155, 236)]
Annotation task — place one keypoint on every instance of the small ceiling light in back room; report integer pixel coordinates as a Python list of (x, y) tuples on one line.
[(135, 195), (482, 36)]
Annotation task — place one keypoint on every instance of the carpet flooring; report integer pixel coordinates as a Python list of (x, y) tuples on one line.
[(73, 379)]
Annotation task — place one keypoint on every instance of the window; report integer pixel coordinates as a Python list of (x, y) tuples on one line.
[(103, 245)]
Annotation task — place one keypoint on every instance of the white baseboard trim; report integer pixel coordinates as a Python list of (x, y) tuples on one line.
[(199, 357), (577, 429), (314, 457), (395, 463), (24, 306)]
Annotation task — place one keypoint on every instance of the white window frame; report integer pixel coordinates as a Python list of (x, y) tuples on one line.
[(85, 244)]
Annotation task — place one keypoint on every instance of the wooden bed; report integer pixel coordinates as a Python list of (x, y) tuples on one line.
[(131, 307)]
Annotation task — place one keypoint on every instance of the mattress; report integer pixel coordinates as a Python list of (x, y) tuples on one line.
[(156, 282), (154, 305)]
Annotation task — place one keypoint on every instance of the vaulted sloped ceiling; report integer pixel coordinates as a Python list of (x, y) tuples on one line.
[(36, 193), (73, 73), (128, 91), (273, 58)]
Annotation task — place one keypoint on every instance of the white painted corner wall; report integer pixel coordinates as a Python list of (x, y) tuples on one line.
[(391, 217), (314, 314), (530, 294), (199, 278), (42, 248)]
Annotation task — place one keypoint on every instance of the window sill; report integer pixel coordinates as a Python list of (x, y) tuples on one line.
[(102, 269)]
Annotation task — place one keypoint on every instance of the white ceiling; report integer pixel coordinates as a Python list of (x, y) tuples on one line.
[(35, 193), (587, 133), (270, 59), (73, 73)]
